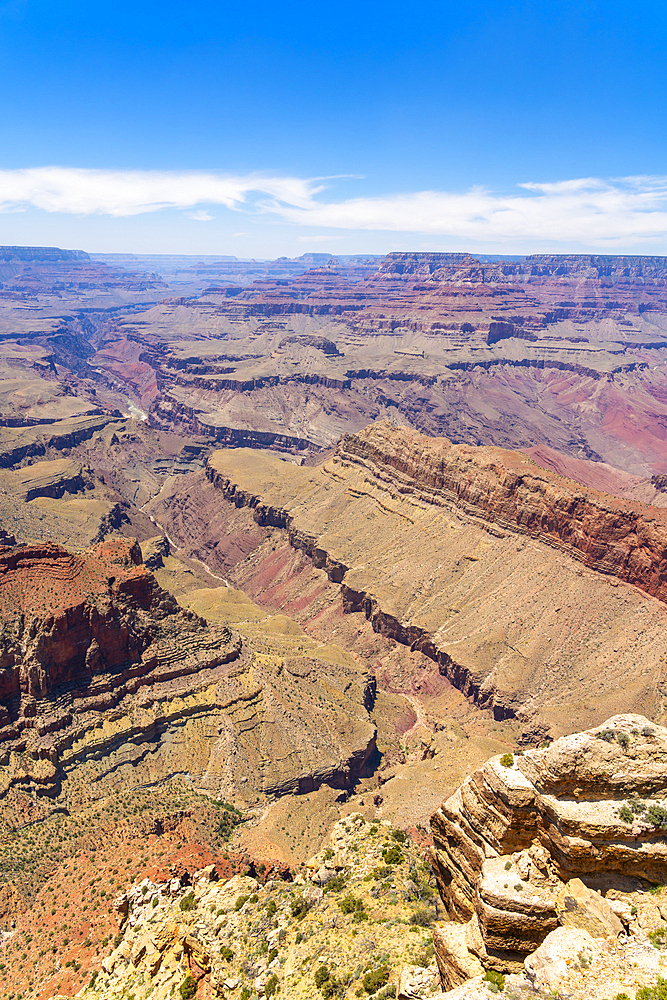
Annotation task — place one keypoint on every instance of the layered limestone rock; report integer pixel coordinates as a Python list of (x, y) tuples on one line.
[(106, 681), (551, 837)]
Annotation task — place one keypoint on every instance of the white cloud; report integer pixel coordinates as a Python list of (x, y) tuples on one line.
[(201, 215), (78, 191), (588, 211)]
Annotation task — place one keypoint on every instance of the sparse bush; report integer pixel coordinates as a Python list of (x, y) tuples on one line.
[(271, 908), (392, 855), (226, 953), (336, 883), (376, 979), (623, 740), (188, 988), (354, 906), (607, 735), (658, 937), (657, 992), (321, 975), (271, 987), (495, 981), (508, 865), (188, 903), (240, 902), (625, 813), (507, 760), (299, 908), (422, 917), (657, 815), (399, 835)]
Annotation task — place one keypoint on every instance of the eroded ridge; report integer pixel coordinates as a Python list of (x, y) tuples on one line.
[(503, 573), (620, 537), (106, 680)]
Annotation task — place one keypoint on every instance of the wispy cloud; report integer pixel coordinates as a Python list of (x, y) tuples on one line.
[(591, 211), (132, 192)]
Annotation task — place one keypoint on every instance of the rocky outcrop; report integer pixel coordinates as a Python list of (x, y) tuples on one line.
[(555, 836)]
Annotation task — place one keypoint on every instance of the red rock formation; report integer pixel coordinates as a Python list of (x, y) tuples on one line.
[(618, 537)]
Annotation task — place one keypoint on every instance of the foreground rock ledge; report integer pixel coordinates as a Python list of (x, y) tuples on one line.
[(555, 836)]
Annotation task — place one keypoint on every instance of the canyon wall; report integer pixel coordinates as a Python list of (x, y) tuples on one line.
[(527, 589)]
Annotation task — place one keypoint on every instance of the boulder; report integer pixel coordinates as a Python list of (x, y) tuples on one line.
[(578, 906), (414, 983), (560, 949), (456, 963)]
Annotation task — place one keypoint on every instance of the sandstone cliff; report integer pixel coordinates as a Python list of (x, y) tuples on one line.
[(519, 847), (619, 537)]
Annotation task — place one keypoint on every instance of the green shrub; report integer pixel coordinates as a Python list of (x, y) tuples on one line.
[(626, 814), (657, 815), (422, 917), (392, 855), (657, 992), (240, 902), (376, 979), (399, 835), (508, 865), (299, 908), (271, 987), (321, 975), (507, 760), (226, 953), (332, 988), (623, 740), (354, 906), (496, 981), (328, 854), (658, 937), (271, 908), (188, 903), (607, 735), (188, 988), (336, 883)]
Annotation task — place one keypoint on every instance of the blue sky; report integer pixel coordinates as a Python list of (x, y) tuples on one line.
[(265, 129)]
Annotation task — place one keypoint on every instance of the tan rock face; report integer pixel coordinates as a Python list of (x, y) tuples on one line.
[(579, 906), (519, 849)]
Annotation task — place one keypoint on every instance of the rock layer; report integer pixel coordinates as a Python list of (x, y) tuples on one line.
[(497, 570), (105, 679), (519, 846)]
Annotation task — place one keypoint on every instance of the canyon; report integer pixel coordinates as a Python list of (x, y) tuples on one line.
[(300, 543)]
